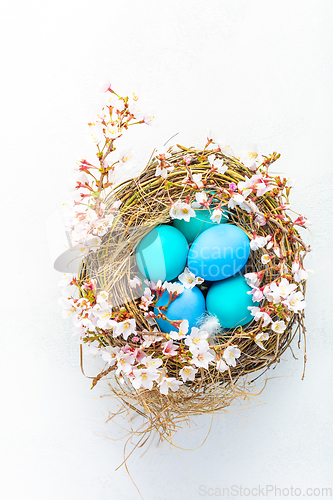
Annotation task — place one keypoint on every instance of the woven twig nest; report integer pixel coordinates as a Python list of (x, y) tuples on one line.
[(145, 204)]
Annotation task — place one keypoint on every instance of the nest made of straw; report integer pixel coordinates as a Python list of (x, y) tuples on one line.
[(145, 203)]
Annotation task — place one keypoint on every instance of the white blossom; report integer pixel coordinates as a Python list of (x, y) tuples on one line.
[(265, 259), (251, 158), (197, 340), (94, 243), (299, 272), (150, 339), (151, 362), (135, 282), (84, 322), (218, 164), (144, 378), (68, 306), (167, 383), (221, 366), (103, 311), (278, 326), (182, 331), (216, 215), (188, 279), (110, 354), (201, 198), (181, 210), (100, 227), (106, 323), (259, 241), (230, 355), (252, 279), (295, 302), (276, 292), (188, 373), (91, 350), (163, 168), (197, 179), (176, 288), (236, 200), (201, 359), (260, 337), (102, 296), (125, 328), (124, 362), (286, 288), (66, 279)]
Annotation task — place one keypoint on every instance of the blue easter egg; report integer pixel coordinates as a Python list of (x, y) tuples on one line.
[(228, 301), (198, 224), (162, 253), (190, 305), (219, 252)]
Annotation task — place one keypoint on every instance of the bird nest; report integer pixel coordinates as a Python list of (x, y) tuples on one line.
[(254, 201)]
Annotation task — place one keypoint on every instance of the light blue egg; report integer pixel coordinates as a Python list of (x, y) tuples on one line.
[(228, 301), (162, 253), (190, 305), (196, 225), (219, 252)]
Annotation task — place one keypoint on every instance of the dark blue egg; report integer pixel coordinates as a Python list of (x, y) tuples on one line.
[(190, 305), (219, 252)]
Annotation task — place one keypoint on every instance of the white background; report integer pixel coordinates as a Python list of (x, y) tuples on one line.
[(253, 71)]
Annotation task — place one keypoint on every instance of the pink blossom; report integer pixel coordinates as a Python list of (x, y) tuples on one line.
[(259, 313), (169, 348), (146, 299), (257, 294), (255, 183), (260, 220), (188, 159), (301, 221), (106, 87), (135, 282)]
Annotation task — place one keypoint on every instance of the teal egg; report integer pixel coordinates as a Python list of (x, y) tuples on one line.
[(162, 253), (190, 305), (228, 301), (196, 225)]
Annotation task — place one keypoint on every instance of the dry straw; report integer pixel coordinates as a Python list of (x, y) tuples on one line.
[(146, 204)]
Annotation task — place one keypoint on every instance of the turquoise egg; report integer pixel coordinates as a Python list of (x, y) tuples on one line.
[(196, 225), (219, 252), (162, 253), (190, 305), (228, 301)]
